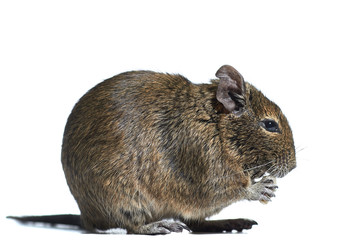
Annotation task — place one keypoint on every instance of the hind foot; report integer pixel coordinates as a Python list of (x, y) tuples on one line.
[(219, 226), (161, 227)]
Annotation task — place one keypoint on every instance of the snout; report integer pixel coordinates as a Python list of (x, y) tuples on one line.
[(282, 166)]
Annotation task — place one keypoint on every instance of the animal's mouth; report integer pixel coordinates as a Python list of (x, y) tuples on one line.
[(274, 171), (277, 169), (260, 174)]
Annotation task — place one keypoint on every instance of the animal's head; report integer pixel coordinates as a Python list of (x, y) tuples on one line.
[(256, 129)]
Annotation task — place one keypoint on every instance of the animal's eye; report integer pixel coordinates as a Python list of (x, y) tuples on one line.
[(270, 125)]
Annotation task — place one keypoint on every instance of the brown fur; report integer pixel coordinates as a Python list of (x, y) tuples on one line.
[(144, 146)]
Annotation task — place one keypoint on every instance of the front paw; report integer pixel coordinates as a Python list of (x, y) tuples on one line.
[(262, 190)]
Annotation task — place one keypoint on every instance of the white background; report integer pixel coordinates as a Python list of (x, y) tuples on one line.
[(304, 55)]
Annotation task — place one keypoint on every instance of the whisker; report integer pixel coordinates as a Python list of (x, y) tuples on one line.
[(247, 170), (299, 150), (262, 165), (283, 170), (273, 170)]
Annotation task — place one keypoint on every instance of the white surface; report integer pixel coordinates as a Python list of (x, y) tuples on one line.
[(304, 55)]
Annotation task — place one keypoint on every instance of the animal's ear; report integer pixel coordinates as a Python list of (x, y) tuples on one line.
[(231, 89)]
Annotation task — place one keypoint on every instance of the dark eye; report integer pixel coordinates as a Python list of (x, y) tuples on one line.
[(270, 125)]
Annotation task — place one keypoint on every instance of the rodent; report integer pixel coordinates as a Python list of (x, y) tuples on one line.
[(143, 147)]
